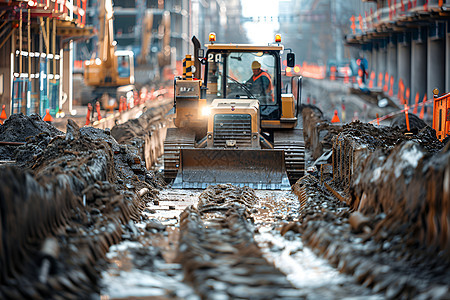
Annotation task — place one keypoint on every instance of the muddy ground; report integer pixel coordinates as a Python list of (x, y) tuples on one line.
[(83, 218)]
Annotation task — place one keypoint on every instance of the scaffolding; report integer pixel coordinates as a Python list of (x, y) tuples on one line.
[(39, 31)]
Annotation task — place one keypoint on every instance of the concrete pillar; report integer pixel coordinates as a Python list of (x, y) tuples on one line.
[(67, 79), (381, 66), (392, 64), (435, 65), (419, 66), (373, 66), (404, 65), (5, 76)]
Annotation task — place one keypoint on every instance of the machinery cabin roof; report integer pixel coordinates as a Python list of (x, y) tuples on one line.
[(240, 47)]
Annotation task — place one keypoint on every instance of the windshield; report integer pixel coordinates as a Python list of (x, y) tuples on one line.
[(246, 75)]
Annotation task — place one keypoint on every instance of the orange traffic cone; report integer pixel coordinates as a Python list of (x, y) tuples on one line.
[(422, 112), (48, 117), (416, 105), (335, 118), (88, 115), (99, 113), (3, 116)]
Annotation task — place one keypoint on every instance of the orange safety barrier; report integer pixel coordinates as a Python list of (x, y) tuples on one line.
[(380, 80), (441, 116), (378, 119), (3, 116), (48, 117), (313, 71), (335, 118)]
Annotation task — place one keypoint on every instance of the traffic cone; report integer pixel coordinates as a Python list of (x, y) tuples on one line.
[(386, 83), (391, 89), (3, 116), (372, 78), (346, 79), (378, 120), (407, 94), (422, 112), (99, 114), (416, 101), (88, 115), (48, 117), (380, 80), (335, 118)]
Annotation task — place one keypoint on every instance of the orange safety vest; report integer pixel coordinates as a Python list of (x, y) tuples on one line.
[(270, 81)]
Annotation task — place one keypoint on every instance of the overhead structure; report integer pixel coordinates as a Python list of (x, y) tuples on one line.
[(405, 43)]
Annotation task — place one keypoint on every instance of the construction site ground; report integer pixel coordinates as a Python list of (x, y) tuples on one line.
[(85, 214)]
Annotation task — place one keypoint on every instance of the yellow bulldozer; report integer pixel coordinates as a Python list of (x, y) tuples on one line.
[(238, 123)]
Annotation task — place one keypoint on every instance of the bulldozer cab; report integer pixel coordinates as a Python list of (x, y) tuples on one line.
[(245, 72)]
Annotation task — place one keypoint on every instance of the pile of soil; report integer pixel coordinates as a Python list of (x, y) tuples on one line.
[(318, 133), (395, 265), (83, 190), (20, 128), (145, 135)]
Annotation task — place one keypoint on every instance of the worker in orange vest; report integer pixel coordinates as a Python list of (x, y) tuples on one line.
[(260, 82)]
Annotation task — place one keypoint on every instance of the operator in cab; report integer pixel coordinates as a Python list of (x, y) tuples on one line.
[(261, 83)]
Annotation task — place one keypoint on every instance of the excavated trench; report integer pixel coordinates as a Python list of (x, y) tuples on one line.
[(81, 217)]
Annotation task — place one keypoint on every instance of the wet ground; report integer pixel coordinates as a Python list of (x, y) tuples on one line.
[(118, 232), (313, 277)]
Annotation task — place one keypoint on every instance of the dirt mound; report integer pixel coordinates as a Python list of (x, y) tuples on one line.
[(81, 189), (20, 128), (415, 123)]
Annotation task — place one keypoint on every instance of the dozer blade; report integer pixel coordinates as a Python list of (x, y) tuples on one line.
[(258, 169)]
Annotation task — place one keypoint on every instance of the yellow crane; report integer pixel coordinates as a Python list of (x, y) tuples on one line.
[(110, 69)]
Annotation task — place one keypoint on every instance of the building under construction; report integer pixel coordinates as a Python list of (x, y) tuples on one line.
[(37, 54), (407, 45)]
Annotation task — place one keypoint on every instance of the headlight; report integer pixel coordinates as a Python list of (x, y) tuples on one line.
[(206, 111)]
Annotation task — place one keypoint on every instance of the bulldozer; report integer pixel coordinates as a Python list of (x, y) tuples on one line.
[(226, 128)]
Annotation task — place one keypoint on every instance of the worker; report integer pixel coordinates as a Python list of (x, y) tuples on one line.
[(362, 67), (260, 82)]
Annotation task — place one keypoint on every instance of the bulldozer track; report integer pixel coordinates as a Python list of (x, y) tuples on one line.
[(294, 152), (175, 140)]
